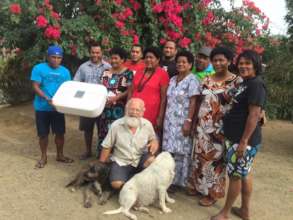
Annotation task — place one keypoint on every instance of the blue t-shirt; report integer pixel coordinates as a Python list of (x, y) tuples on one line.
[(50, 80)]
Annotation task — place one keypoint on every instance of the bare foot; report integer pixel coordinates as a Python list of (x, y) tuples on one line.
[(219, 216), (41, 163), (240, 213), (64, 159)]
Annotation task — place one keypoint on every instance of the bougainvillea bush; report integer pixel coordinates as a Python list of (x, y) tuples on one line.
[(31, 25)]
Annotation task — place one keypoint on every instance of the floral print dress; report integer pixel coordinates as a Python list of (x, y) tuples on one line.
[(208, 170), (115, 83), (178, 98)]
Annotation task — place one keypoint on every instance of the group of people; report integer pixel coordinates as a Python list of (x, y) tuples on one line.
[(206, 116)]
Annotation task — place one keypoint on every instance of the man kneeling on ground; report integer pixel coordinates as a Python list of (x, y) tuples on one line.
[(133, 143)]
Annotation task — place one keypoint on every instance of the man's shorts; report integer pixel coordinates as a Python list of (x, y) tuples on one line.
[(124, 173), (50, 119), (239, 167), (87, 124)]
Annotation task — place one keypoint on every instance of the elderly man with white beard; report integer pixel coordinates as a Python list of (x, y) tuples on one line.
[(132, 142)]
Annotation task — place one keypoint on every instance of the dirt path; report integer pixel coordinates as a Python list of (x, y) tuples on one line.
[(27, 193)]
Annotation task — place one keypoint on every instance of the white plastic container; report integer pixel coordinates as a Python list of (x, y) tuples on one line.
[(79, 98)]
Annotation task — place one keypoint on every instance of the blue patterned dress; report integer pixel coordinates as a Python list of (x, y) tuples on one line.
[(115, 83), (178, 98)]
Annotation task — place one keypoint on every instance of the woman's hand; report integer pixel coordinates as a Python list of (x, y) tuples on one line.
[(241, 149), (112, 100), (186, 128), (159, 124)]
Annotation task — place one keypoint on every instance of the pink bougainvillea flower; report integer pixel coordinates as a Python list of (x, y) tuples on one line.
[(15, 8), (238, 50), (176, 20), (135, 39), (208, 19), (55, 15), (135, 5), (173, 35), (127, 12), (158, 8), (52, 32), (205, 3), (187, 6), (229, 37), (184, 42), (46, 2), (251, 6), (208, 36), (118, 2), (119, 24), (124, 33), (163, 41), (41, 21), (197, 36), (48, 5)]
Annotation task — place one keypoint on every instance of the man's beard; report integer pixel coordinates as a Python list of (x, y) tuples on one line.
[(132, 122)]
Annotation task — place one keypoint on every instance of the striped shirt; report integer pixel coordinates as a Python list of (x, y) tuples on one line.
[(90, 72)]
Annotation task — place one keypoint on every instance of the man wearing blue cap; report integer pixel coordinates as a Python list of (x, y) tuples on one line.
[(47, 78)]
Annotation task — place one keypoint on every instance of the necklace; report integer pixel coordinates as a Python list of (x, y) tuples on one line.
[(142, 84)]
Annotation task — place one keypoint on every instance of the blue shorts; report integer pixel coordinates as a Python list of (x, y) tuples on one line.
[(50, 119), (239, 167)]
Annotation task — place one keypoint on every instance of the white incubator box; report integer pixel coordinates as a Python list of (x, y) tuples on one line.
[(79, 98)]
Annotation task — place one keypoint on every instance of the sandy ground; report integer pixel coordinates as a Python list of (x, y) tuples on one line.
[(28, 193)]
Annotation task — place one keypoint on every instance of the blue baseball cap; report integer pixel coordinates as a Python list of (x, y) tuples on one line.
[(55, 50)]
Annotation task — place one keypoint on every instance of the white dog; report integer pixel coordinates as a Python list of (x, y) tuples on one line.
[(147, 187)]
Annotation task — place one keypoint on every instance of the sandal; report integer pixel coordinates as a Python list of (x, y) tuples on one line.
[(215, 218), (65, 160), (190, 192), (237, 211), (40, 164), (207, 201)]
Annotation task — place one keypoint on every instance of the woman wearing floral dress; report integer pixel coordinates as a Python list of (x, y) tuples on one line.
[(117, 80), (208, 170), (181, 104)]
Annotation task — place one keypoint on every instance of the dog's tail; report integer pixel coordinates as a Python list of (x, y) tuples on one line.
[(113, 212)]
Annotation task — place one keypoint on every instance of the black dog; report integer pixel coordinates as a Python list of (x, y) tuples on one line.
[(94, 177)]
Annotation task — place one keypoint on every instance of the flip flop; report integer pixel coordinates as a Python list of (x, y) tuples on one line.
[(190, 192), (237, 211), (65, 160), (206, 203), (40, 164), (215, 218)]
